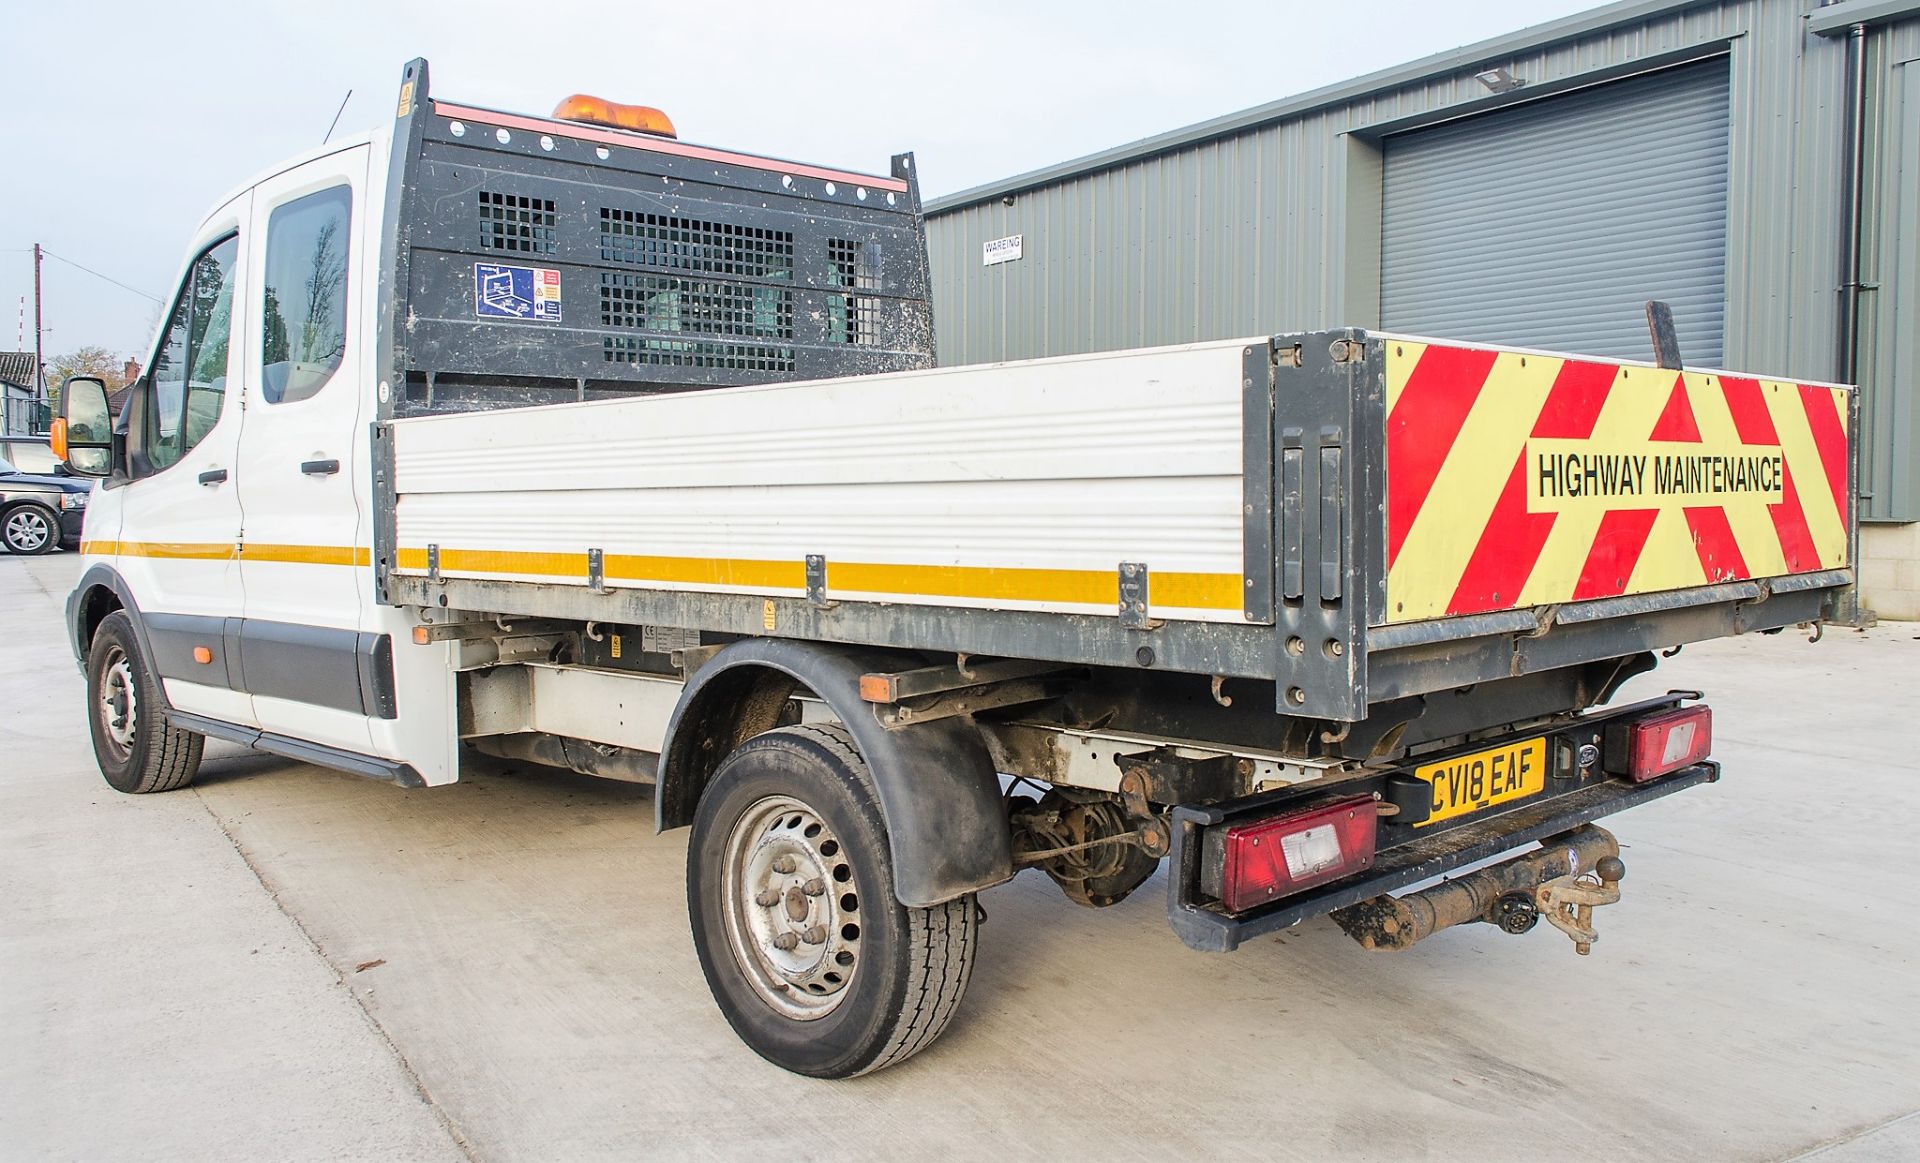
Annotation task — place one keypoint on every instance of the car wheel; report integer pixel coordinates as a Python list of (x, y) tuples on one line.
[(814, 962), (138, 751), (29, 528)]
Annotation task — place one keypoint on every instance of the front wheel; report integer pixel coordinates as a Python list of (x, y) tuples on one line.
[(811, 958), (29, 529), (137, 749)]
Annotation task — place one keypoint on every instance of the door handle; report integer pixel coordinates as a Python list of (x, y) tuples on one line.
[(319, 468), (213, 476)]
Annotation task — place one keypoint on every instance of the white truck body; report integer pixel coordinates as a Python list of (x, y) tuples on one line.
[(390, 487)]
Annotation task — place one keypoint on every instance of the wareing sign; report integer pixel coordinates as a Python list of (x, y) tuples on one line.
[(1565, 475)]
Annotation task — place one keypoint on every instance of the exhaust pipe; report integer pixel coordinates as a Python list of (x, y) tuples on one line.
[(1511, 894)]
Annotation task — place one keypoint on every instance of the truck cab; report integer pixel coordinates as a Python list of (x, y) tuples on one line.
[(235, 518)]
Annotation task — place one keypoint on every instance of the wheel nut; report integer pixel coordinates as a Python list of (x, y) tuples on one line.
[(786, 942), (783, 865), (814, 887), (815, 935), (768, 899)]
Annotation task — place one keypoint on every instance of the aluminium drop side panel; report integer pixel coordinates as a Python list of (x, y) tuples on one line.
[(1348, 454), (1021, 487), (1528, 480)]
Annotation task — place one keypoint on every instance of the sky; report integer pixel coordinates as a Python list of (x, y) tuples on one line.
[(122, 121)]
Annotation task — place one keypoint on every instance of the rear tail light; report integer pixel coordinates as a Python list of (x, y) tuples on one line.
[(1269, 859), (1647, 748)]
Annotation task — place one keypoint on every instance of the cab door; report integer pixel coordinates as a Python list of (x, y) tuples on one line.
[(179, 516), (314, 672)]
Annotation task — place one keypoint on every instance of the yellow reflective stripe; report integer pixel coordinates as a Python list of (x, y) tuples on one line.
[(1207, 591), (179, 550), (227, 551), (1202, 591), (307, 554), (712, 571)]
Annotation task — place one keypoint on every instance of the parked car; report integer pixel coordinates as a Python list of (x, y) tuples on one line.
[(38, 512), (32, 454)]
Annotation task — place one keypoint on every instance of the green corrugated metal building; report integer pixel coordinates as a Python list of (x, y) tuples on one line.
[(1730, 157)]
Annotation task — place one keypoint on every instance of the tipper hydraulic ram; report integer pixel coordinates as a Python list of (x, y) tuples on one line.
[(607, 451)]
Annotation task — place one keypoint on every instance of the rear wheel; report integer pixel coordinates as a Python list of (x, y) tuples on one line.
[(813, 961), (137, 750), (30, 528)]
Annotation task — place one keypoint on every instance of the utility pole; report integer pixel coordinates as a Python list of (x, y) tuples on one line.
[(39, 356)]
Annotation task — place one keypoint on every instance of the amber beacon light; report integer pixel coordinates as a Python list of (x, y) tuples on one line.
[(600, 111)]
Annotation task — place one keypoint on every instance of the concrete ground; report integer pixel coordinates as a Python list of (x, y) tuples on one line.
[(286, 963)]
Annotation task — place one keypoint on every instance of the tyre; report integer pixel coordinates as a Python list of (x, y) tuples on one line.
[(29, 528), (137, 750), (811, 958)]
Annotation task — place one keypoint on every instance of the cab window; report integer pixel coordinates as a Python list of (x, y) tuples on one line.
[(304, 307), (189, 377)]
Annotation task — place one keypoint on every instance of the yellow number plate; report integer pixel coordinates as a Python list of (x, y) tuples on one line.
[(1467, 783)]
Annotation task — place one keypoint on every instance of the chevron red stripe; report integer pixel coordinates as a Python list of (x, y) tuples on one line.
[(1829, 438), (1616, 550), (1713, 539), (1790, 523), (1511, 545), (1422, 427)]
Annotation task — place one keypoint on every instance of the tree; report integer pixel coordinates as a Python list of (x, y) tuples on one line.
[(91, 360), (86, 361)]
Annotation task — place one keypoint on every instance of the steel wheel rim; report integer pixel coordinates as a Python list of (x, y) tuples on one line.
[(27, 530), (798, 948), (118, 704)]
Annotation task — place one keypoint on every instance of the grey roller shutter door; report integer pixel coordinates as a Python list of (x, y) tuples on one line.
[(1552, 223)]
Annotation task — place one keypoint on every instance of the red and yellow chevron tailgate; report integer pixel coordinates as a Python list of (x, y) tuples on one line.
[(1520, 479)]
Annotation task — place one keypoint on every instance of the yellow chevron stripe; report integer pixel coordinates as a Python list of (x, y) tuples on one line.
[(1669, 560), (1454, 517), (1402, 357)]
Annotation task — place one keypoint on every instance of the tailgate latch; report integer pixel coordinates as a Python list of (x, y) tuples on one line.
[(1567, 902)]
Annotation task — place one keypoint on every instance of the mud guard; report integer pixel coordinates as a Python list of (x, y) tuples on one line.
[(937, 786)]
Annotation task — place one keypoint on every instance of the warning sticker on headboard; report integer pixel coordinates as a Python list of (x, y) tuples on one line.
[(510, 292)]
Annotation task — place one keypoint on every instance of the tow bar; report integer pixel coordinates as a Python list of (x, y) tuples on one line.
[(1568, 877)]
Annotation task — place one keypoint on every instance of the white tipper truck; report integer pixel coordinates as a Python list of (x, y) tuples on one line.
[(564, 440)]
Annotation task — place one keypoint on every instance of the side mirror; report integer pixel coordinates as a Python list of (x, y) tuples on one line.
[(83, 435)]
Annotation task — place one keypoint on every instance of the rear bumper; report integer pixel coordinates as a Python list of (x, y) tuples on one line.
[(1205, 926)]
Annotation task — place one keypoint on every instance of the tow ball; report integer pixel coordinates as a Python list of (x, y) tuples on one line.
[(1568, 901), (1563, 880)]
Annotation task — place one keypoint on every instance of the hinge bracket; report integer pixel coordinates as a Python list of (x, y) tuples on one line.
[(817, 581), (1136, 603)]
